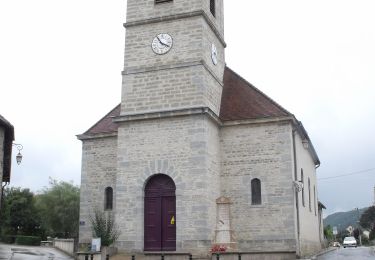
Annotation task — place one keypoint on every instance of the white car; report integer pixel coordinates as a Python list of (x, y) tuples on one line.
[(349, 242)]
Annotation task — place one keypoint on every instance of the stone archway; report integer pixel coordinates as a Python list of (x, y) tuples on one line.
[(160, 214)]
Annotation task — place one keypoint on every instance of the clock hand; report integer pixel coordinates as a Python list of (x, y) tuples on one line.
[(162, 42)]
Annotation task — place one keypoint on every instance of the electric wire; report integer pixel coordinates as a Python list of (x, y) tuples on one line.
[(348, 174)]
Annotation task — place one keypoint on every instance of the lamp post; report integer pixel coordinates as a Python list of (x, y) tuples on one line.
[(19, 155)]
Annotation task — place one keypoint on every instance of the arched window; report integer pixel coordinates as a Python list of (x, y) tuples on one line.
[(108, 198), (256, 192)]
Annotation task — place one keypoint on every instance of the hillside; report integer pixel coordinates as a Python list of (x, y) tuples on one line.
[(343, 219)]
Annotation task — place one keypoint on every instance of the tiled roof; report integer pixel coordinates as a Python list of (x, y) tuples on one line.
[(240, 100), (105, 125)]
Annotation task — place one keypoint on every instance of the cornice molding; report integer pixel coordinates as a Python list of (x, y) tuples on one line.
[(168, 114), (176, 17), (265, 120), (137, 70), (83, 137)]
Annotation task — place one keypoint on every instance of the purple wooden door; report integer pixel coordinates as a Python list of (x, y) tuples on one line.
[(160, 214)]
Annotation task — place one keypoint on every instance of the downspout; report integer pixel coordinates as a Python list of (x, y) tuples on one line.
[(296, 193)]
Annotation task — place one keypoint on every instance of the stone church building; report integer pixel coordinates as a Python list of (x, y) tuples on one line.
[(195, 156)]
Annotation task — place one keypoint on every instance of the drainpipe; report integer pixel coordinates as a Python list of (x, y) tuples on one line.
[(296, 191)]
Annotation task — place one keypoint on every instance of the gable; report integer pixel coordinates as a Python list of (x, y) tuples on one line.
[(240, 100), (106, 124)]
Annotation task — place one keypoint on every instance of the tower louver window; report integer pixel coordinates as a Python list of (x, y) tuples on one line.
[(162, 1), (212, 7)]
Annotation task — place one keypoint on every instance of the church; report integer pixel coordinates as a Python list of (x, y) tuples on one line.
[(195, 157)]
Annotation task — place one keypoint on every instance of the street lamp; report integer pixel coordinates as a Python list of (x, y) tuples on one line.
[(19, 155)]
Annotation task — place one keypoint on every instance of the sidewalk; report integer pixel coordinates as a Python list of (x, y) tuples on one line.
[(18, 252), (324, 251)]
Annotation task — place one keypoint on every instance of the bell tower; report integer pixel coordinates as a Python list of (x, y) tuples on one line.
[(174, 56), (168, 124)]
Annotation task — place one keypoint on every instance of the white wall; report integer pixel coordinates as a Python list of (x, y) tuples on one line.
[(309, 219)]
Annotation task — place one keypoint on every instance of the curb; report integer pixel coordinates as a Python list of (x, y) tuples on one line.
[(325, 251)]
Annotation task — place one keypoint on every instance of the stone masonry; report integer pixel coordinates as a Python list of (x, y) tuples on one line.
[(260, 151), (210, 131)]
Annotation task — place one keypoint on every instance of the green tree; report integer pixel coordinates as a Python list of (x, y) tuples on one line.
[(328, 233), (18, 213), (367, 219), (58, 206)]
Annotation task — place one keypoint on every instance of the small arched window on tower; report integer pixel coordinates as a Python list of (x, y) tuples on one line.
[(108, 198), (162, 1), (256, 192), (212, 7)]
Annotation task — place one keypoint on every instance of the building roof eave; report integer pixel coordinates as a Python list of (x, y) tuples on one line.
[(7, 154)]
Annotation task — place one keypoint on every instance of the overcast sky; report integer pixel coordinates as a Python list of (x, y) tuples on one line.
[(61, 62)]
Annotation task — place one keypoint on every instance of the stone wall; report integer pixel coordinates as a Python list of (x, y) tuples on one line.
[(262, 151), (170, 89), (146, 9), (99, 168), (185, 77), (65, 245), (184, 148)]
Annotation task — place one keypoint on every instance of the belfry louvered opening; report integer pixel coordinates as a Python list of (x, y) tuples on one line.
[(212, 7), (162, 1)]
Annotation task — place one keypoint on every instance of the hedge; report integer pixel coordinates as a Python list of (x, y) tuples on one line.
[(28, 240), (7, 239)]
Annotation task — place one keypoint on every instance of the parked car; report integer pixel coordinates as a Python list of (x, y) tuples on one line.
[(349, 242), (336, 244)]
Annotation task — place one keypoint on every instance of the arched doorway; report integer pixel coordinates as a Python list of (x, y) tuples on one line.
[(160, 214)]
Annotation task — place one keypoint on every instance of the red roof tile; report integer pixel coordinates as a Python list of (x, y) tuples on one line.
[(240, 100), (105, 125)]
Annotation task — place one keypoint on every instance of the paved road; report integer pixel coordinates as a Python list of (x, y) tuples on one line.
[(15, 252), (359, 253)]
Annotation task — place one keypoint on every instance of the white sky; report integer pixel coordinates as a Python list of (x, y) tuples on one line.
[(61, 62)]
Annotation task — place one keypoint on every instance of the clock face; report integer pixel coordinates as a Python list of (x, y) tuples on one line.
[(214, 54), (162, 43)]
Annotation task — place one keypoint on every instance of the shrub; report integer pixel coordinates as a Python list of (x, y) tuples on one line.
[(104, 226), (28, 240), (8, 239)]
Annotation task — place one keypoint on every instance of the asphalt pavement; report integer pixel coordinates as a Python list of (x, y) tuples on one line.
[(359, 253), (17, 252)]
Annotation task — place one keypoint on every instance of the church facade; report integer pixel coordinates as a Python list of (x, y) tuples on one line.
[(195, 156)]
